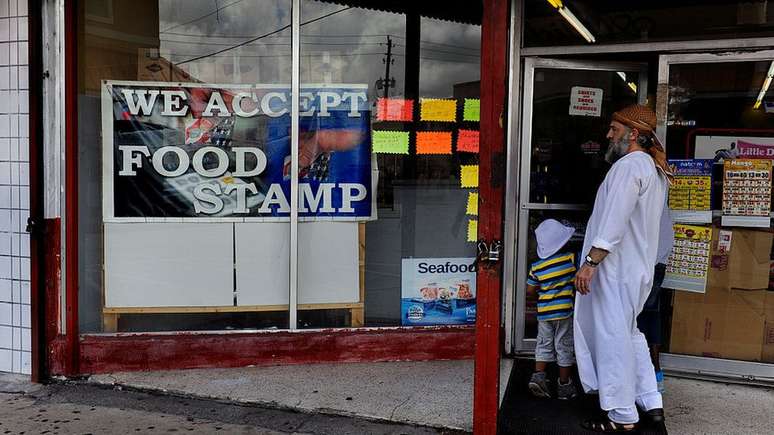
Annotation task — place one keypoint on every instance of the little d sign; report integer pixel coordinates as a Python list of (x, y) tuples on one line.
[(586, 101)]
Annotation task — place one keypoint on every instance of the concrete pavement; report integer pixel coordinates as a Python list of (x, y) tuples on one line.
[(89, 409)]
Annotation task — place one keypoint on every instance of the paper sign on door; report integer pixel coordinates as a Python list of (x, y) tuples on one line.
[(586, 101)]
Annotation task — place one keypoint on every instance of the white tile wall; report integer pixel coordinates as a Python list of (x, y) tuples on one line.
[(15, 312)]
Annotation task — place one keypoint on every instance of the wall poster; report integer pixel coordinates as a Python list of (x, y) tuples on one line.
[(191, 150), (746, 193), (691, 191), (689, 262), (438, 291)]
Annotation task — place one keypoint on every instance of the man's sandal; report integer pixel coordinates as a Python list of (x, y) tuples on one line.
[(606, 425)]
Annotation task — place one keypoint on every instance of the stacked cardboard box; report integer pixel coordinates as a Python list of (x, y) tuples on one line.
[(767, 355), (729, 320)]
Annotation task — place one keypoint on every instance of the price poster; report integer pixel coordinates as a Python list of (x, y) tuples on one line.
[(690, 193), (689, 262), (746, 193)]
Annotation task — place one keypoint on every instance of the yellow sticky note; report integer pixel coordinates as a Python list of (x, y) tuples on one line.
[(472, 208), (472, 230), (469, 176), (438, 110)]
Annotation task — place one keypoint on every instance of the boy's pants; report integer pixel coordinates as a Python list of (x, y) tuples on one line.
[(555, 342)]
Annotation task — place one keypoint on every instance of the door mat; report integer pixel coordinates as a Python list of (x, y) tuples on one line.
[(522, 413)]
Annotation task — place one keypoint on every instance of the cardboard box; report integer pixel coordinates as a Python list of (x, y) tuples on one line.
[(722, 323), (767, 354), (746, 264)]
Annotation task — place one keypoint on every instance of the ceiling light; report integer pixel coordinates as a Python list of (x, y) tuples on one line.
[(574, 21), (765, 87), (556, 3)]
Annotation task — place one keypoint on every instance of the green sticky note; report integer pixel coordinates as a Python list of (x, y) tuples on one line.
[(390, 142), (472, 110)]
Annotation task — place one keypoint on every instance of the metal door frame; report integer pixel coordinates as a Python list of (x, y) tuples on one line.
[(520, 344)]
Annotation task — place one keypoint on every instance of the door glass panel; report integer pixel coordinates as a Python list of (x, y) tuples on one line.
[(570, 114)]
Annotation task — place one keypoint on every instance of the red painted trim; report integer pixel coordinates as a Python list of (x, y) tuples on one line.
[(494, 42), (728, 131), (52, 254), (71, 186), (104, 354), (35, 80)]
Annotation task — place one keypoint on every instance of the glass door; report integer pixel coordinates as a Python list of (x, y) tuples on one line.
[(567, 109)]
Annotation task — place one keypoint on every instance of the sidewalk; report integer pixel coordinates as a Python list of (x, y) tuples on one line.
[(437, 393), (77, 408)]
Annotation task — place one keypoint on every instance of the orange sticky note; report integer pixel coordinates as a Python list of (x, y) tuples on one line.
[(394, 109), (469, 176), (434, 142), (438, 110), (467, 141)]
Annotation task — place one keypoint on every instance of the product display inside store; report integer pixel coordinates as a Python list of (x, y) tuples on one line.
[(720, 268)]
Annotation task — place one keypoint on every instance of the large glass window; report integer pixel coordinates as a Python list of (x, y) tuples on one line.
[(409, 262), (185, 166), (720, 111)]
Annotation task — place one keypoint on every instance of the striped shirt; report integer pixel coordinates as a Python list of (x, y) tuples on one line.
[(555, 279)]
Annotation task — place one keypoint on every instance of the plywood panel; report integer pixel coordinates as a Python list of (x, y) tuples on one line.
[(161, 264), (262, 263), (327, 269)]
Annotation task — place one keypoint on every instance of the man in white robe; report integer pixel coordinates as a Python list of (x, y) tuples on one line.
[(620, 251)]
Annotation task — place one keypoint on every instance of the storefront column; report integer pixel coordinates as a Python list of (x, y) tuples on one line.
[(494, 36)]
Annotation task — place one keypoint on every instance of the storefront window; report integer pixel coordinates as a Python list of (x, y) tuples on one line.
[(407, 260), (720, 306), (578, 22), (183, 132), (185, 165)]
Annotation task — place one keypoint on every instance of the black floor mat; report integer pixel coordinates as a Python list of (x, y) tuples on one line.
[(522, 413)]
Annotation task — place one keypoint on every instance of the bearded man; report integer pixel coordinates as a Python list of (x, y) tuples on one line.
[(620, 249)]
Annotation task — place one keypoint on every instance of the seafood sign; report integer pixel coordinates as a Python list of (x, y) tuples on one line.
[(192, 150), (438, 291)]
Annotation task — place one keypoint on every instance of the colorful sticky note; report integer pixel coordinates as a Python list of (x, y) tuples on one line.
[(434, 142), (472, 230), (469, 175), (438, 110), (472, 208), (471, 111), (390, 142), (394, 109), (467, 141)]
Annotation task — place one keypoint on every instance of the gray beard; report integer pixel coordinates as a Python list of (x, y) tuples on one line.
[(616, 150)]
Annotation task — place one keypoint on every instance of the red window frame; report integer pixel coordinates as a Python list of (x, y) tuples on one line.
[(74, 354)]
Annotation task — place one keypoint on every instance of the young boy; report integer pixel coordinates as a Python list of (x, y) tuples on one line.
[(552, 278)]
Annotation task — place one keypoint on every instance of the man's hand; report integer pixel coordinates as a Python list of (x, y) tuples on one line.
[(583, 279)]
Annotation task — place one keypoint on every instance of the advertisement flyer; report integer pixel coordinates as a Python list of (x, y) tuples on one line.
[(746, 193), (689, 262), (690, 193), (174, 150), (438, 291), (728, 147)]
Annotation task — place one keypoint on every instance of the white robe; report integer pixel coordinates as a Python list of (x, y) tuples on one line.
[(611, 353)]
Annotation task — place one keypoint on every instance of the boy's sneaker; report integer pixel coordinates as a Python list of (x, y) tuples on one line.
[(566, 391), (538, 385), (660, 381)]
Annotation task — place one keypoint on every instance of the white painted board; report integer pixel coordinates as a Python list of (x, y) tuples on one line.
[(163, 265), (327, 265), (262, 263)]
